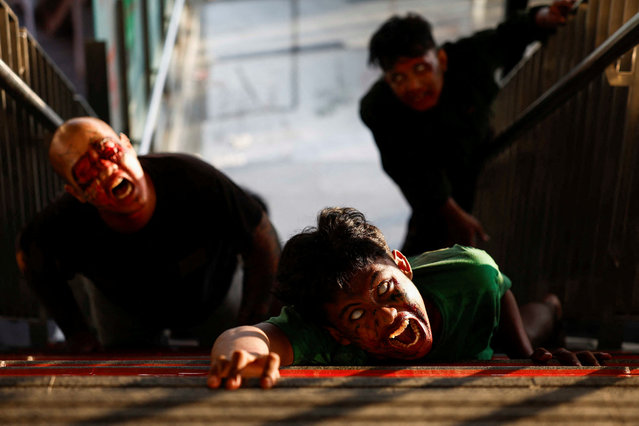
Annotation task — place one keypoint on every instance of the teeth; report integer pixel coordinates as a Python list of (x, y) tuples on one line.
[(400, 330), (120, 194)]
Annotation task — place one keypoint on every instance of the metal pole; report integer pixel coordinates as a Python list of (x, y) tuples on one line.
[(19, 90), (158, 86)]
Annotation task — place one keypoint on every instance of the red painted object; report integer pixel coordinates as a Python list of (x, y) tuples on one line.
[(197, 364)]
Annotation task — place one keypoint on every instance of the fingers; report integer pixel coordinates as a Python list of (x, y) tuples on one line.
[(581, 358), (566, 357), (219, 370), (482, 234), (271, 373), (243, 365), (603, 356), (587, 358), (541, 355), (593, 358), (229, 371), (239, 360)]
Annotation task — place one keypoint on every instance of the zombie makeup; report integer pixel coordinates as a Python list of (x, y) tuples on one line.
[(417, 82), (101, 175), (383, 313)]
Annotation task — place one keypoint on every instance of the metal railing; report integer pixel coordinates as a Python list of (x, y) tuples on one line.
[(561, 202), (34, 98)]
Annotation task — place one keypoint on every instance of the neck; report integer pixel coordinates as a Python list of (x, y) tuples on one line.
[(434, 318)]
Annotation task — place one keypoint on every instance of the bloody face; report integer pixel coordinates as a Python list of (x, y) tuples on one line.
[(108, 176), (383, 313), (418, 82)]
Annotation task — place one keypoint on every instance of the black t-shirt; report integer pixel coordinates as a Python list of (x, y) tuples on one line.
[(174, 270), (438, 153)]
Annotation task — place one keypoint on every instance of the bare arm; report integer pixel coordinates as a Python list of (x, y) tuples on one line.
[(249, 351), (517, 344), (463, 228), (260, 266), (512, 333)]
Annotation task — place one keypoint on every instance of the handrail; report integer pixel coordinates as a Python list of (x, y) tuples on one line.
[(626, 37), (158, 86), (18, 89)]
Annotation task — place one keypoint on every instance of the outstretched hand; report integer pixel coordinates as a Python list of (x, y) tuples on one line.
[(554, 15), (244, 364), (566, 357)]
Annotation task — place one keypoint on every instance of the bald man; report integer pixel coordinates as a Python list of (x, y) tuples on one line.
[(159, 236)]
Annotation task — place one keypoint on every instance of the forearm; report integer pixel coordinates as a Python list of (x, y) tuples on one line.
[(260, 267), (249, 351), (248, 338), (511, 329), (53, 292)]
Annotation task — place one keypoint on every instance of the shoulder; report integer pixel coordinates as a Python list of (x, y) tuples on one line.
[(459, 266), (179, 166), (56, 223), (455, 255), (378, 99), (174, 162), (464, 54)]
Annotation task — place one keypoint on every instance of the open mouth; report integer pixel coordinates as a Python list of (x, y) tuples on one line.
[(121, 188), (406, 335)]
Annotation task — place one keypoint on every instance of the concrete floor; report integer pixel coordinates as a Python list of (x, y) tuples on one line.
[(170, 390)]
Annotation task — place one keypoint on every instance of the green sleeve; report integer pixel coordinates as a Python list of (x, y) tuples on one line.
[(312, 344)]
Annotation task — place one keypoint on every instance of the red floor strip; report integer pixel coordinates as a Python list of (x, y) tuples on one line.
[(196, 365)]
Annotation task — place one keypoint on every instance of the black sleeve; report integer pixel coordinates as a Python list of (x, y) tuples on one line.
[(45, 274), (501, 46)]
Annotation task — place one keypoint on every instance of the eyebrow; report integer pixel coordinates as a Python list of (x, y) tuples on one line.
[(346, 308), (374, 279)]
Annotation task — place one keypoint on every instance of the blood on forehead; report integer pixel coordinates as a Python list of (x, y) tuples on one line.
[(98, 154)]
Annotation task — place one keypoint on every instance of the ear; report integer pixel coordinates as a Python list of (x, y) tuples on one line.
[(73, 191), (337, 335), (402, 263), (442, 57)]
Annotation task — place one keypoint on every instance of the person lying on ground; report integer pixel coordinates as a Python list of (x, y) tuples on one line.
[(350, 300)]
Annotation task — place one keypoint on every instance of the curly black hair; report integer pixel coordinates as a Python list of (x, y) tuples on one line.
[(322, 260), (410, 36)]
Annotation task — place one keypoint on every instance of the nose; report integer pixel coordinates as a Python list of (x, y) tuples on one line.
[(387, 314), (414, 83)]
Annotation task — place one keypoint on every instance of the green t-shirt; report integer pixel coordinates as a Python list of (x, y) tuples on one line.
[(463, 282)]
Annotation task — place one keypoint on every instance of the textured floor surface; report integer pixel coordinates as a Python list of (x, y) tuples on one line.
[(161, 388)]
